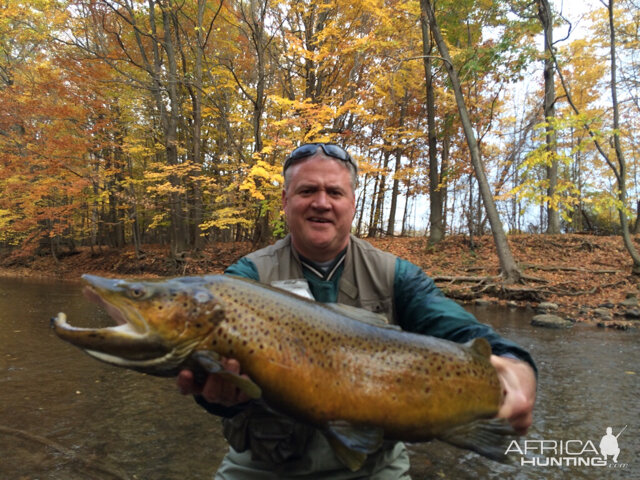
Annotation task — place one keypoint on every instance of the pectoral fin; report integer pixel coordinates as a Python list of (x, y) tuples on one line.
[(350, 458), (210, 361), (480, 346), (488, 437), (352, 444)]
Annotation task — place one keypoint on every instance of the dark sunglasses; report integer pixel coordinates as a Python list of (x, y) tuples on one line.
[(329, 149)]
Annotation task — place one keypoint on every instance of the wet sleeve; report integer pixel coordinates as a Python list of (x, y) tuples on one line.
[(421, 307), (247, 269)]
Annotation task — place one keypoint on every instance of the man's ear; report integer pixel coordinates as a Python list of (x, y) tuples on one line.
[(284, 198)]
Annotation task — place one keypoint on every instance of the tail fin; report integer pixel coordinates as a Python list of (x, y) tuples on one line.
[(488, 437)]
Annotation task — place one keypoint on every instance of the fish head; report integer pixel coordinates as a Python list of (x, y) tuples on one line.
[(159, 323)]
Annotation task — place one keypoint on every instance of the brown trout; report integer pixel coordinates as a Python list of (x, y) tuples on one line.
[(327, 365)]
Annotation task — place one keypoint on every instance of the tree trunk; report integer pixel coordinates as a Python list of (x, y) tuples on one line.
[(168, 114), (408, 198), (364, 201), (196, 99), (396, 182), (446, 150), (372, 229), (546, 18), (622, 165), (255, 20), (510, 271), (382, 191), (395, 189), (436, 223)]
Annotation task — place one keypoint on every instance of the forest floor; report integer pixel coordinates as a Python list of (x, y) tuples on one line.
[(581, 274)]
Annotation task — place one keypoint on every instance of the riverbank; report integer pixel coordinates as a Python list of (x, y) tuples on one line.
[(588, 278)]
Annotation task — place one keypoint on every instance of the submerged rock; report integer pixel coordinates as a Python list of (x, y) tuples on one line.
[(603, 313), (633, 313), (544, 307), (618, 324), (550, 321), (629, 302)]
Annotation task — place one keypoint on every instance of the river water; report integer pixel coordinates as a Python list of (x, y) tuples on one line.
[(66, 416)]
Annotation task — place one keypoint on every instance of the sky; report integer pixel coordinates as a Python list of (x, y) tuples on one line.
[(574, 10)]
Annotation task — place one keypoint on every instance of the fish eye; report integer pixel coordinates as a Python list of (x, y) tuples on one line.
[(136, 292)]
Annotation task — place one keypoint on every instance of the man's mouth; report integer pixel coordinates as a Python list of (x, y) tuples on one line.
[(319, 220)]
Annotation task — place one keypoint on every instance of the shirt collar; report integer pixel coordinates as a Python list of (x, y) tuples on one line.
[(324, 270)]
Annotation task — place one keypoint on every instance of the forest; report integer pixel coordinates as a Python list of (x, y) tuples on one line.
[(128, 122)]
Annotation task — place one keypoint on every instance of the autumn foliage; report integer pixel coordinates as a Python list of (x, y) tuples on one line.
[(125, 123)]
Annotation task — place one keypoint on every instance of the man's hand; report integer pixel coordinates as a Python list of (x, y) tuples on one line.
[(215, 389), (519, 388)]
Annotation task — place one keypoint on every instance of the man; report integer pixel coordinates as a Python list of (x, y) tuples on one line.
[(319, 203)]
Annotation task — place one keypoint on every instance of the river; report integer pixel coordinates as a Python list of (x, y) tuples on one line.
[(66, 416)]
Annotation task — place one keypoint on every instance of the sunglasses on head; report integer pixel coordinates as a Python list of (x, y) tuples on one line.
[(330, 149)]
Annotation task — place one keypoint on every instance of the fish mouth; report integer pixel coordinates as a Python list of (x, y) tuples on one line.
[(99, 289), (129, 343)]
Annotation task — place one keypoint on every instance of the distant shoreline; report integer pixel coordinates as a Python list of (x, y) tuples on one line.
[(579, 273)]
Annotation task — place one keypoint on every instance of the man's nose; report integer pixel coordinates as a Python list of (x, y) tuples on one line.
[(321, 200)]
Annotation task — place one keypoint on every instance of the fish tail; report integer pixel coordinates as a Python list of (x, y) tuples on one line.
[(488, 437)]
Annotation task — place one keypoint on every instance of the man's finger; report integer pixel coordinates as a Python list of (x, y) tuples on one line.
[(187, 384)]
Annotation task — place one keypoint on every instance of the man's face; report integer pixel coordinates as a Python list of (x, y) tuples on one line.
[(320, 204)]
